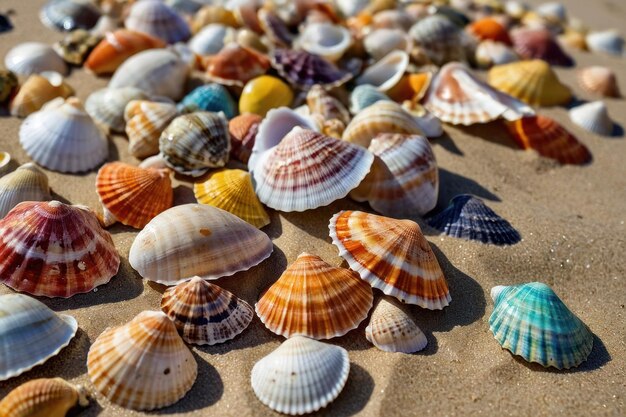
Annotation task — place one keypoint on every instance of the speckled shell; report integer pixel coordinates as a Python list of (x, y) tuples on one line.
[(490, 53), (328, 107), (27, 183), (440, 39), (539, 44), (326, 40), (32, 58), (142, 365), (145, 121), (157, 19), (196, 239), (387, 72), (264, 93), (68, 15), (592, 117), (391, 329), (531, 321), (76, 46), (243, 130), (37, 91), (8, 85), (375, 247), (607, 42), (380, 42), (599, 81), (489, 28), (235, 65), (305, 70), (106, 106), (204, 313), (364, 96), (50, 397), (209, 97), (211, 39)]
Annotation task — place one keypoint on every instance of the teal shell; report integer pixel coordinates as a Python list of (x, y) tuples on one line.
[(211, 97), (364, 96), (531, 321)]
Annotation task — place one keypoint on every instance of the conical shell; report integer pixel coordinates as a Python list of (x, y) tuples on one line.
[(159, 20), (27, 183), (305, 70), (33, 58), (489, 53), (607, 41), (106, 106), (145, 121), (196, 239), (37, 91), (204, 313), (364, 96), (68, 15), (30, 334), (301, 376), (531, 321), (392, 255), (391, 329), (143, 364), (243, 130), (539, 44), (313, 299), (326, 40), (235, 65), (386, 72), (599, 81), (211, 97), (440, 38), (592, 117), (50, 397), (211, 39)]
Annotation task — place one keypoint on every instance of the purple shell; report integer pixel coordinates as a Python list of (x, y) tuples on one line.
[(304, 70)]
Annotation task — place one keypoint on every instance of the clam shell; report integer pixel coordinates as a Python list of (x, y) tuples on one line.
[(32, 58), (380, 42), (211, 39), (607, 42), (30, 334), (573, 39), (75, 47), (440, 38), (68, 15), (8, 84), (392, 255), (592, 117), (539, 44), (328, 107), (143, 365), (531, 321), (391, 329), (196, 239), (204, 313), (235, 65), (304, 70), (489, 53), (37, 91), (27, 183), (243, 130), (106, 106), (599, 81), (50, 397), (301, 376), (145, 121), (364, 96), (264, 93), (210, 97), (159, 20), (489, 28), (387, 72), (326, 40)]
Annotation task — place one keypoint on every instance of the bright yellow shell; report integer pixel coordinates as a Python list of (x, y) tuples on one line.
[(264, 93), (231, 190)]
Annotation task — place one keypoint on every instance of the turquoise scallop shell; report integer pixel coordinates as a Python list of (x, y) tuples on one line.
[(531, 321), (210, 97)]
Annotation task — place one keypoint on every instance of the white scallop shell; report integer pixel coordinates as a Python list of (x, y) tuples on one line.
[(32, 58), (386, 73), (593, 117), (607, 41), (159, 20), (381, 42), (326, 40), (391, 329), (211, 39), (27, 183), (106, 106)]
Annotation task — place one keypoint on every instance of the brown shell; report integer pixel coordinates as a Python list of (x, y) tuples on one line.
[(43, 397), (235, 65), (243, 130)]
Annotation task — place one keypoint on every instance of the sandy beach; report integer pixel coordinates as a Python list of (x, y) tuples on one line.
[(571, 218)]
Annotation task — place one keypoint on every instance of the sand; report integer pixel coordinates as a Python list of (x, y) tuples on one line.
[(572, 223)]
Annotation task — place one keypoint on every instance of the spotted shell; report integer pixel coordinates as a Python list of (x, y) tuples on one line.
[(37, 91), (33, 58), (593, 117), (235, 65), (391, 329), (106, 106), (440, 39), (68, 15), (145, 121), (305, 70), (264, 93), (599, 80), (27, 183), (539, 44), (243, 130), (157, 19), (52, 397)]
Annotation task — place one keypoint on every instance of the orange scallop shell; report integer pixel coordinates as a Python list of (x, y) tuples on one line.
[(235, 65), (490, 28), (243, 130)]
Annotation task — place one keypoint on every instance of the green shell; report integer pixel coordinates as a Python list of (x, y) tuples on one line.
[(531, 321)]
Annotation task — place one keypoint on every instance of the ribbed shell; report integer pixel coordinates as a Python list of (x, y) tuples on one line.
[(196, 239), (440, 38), (27, 183), (243, 130), (145, 121), (364, 96), (392, 255), (313, 299), (607, 41), (599, 80), (531, 321), (33, 58), (387, 72), (210, 97), (593, 117), (204, 313), (30, 334), (106, 106), (235, 65), (68, 15), (304, 70), (301, 376), (142, 365), (159, 20), (232, 190), (49, 397), (539, 44), (307, 170), (37, 91), (391, 329), (322, 103)]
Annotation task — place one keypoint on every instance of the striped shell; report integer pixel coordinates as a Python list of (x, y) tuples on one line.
[(326, 40), (606, 41), (27, 183), (376, 246), (145, 121), (599, 81), (539, 44), (264, 93), (440, 38), (204, 313), (243, 130), (531, 321), (593, 117), (69, 15), (159, 20), (235, 65), (30, 334), (386, 72), (142, 365), (304, 70), (50, 397), (489, 28), (209, 97), (196, 239), (37, 91), (106, 106), (391, 329), (33, 58), (364, 96), (320, 102)]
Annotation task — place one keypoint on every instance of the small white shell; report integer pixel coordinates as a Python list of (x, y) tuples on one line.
[(391, 329), (593, 117), (381, 42), (326, 40), (27, 183), (32, 58), (607, 41), (211, 39), (386, 73), (159, 20), (106, 106)]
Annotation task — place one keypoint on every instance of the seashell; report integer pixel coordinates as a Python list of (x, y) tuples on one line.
[(261, 94), (158, 72), (573, 39), (193, 143), (592, 117), (304, 70), (26, 183), (404, 178), (458, 97), (326, 40), (531, 321), (106, 23), (381, 117), (211, 39), (211, 14), (117, 47), (599, 80), (209, 97), (143, 365), (376, 246), (301, 376), (392, 19), (533, 82), (32, 58), (235, 65), (30, 334), (539, 44), (488, 28), (8, 85), (387, 72), (391, 329), (249, 39), (380, 42), (322, 103), (364, 96), (62, 137), (469, 218), (607, 41), (37, 91), (275, 28), (186, 8), (197, 239), (159, 20), (68, 15), (75, 47), (440, 38), (452, 14), (515, 9), (106, 106), (307, 170), (313, 299), (430, 125), (549, 139), (5, 160), (489, 53), (145, 121), (553, 11), (411, 87), (243, 130), (52, 397), (204, 313), (232, 190), (350, 8)]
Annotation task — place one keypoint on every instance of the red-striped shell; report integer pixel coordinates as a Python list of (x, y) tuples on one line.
[(539, 44), (243, 130), (489, 28), (235, 65)]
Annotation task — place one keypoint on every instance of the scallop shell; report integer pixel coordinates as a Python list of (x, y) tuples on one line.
[(440, 38), (211, 39), (62, 137), (489, 53), (117, 47), (539, 44), (204, 313), (75, 47), (235, 65), (27, 183), (243, 130), (599, 80), (264, 93), (196, 239), (307, 170), (8, 85), (489, 28), (193, 143), (143, 365), (326, 40), (380, 42), (209, 97), (387, 72), (32, 58), (320, 102), (313, 299), (68, 15), (30, 334), (592, 117), (301, 376), (364, 96), (37, 91), (531, 321), (157, 19), (232, 190), (391, 329), (458, 97), (392, 255), (106, 106), (305, 70), (50, 397), (275, 28), (145, 121), (607, 41)]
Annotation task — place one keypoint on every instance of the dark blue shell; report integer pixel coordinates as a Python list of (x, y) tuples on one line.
[(211, 97), (467, 217)]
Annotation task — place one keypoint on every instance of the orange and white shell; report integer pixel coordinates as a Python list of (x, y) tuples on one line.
[(243, 130), (391, 329), (235, 65), (145, 121), (43, 397), (37, 91)]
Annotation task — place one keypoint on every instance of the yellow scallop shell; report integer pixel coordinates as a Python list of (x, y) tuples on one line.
[(261, 94)]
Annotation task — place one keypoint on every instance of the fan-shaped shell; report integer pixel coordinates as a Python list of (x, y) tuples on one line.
[(539, 44), (68, 15), (204, 313), (243, 130), (157, 19), (106, 106), (326, 40), (211, 39), (145, 121), (304, 70), (599, 80), (440, 38), (235, 65), (490, 53), (489, 28), (32, 58), (209, 97), (531, 321), (386, 72), (143, 364), (264, 93), (313, 299), (364, 96), (380, 42), (592, 117), (37, 91), (301, 376), (27, 183), (391, 329), (196, 239), (392, 255), (607, 41), (50, 397)]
